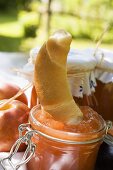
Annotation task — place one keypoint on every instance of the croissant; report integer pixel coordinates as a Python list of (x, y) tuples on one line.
[(50, 79)]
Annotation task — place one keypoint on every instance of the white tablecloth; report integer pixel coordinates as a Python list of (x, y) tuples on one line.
[(15, 160)]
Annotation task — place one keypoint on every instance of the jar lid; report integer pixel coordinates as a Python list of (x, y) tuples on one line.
[(84, 59), (80, 61), (104, 71), (104, 59), (80, 69), (77, 60)]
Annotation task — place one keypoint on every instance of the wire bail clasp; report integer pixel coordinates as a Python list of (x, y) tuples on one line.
[(108, 138), (109, 125), (25, 135)]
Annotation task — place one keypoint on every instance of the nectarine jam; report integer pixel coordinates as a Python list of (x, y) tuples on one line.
[(80, 72), (104, 89), (66, 147)]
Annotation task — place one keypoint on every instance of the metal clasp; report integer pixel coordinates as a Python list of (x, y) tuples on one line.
[(108, 139), (25, 135), (109, 125)]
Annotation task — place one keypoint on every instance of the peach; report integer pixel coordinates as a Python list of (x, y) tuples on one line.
[(8, 90), (11, 116)]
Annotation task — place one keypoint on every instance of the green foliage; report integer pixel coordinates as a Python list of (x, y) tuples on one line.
[(29, 20), (30, 30), (88, 21), (4, 4), (14, 4), (90, 17), (10, 43)]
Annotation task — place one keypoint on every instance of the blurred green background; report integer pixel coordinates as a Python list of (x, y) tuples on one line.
[(25, 24)]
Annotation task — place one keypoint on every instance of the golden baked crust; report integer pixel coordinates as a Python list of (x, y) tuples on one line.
[(50, 79)]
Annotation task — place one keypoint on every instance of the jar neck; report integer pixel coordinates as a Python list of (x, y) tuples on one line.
[(65, 136), (52, 139)]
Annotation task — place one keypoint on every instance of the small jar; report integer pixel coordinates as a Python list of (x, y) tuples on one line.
[(104, 88), (80, 70), (61, 150)]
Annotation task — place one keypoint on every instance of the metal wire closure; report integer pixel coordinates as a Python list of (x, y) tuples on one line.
[(108, 138), (109, 125), (30, 150)]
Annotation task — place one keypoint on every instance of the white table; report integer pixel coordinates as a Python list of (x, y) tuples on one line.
[(15, 160)]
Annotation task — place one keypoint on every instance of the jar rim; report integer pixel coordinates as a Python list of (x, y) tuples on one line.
[(95, 134)]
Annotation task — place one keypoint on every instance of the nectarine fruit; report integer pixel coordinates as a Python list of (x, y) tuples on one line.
[(11, 116), (8, 90)]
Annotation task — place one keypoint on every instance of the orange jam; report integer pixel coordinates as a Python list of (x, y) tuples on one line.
[(66, 147), (86, 100), (104, 95)]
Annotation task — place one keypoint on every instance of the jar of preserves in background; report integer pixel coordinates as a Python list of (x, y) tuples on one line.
[(80, 70), (104, 88)]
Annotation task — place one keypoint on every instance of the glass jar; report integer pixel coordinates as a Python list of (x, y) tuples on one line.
[(104, 88), (80, 70), (61, 150)]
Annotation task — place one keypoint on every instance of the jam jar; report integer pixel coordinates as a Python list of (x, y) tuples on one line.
[(104, 88), (80, 70), (66, 150), (50, 146)]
